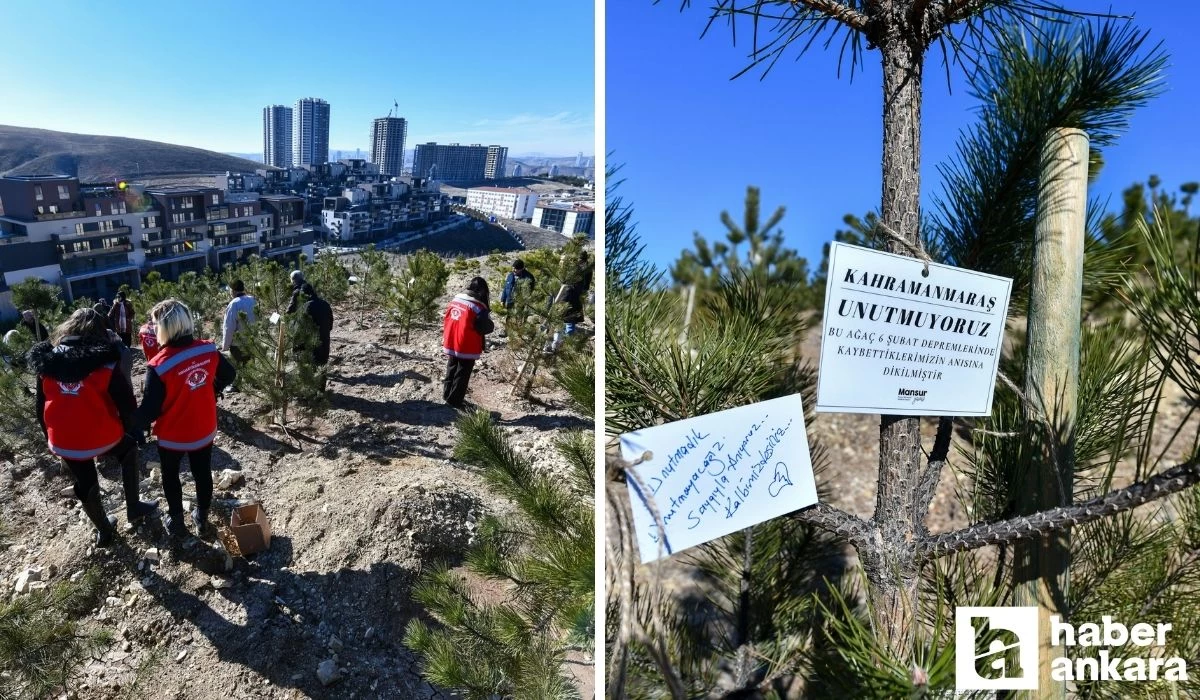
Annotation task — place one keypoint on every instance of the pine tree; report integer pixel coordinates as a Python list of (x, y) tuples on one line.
[(41, 640), (279, 370), (44, 299), (372, 281), (543, 553), (328, 277), (19, 429), (416, 288), (887, 632)]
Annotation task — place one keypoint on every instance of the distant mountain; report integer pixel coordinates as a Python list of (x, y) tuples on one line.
[(25, 151)]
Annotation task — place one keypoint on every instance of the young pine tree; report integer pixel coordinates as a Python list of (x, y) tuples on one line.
[(372, 281), (279, 371), (42, 642), (45, 300), (544, 555), (416, 288), (329, 277)]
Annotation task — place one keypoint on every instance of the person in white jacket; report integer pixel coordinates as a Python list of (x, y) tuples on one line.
[(234, 323)]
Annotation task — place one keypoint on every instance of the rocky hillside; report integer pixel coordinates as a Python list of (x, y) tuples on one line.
[(25, 151), (360, 501)]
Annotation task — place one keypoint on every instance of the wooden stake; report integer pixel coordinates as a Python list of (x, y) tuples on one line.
[(1052, 381)]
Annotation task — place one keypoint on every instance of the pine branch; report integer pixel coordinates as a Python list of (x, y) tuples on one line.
[(858, 532), (844, 14), (927, 486), (1169, 482)]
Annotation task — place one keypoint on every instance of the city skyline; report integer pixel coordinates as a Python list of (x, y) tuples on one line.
[(444, 82)]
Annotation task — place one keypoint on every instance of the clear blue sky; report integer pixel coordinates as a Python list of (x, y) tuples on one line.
[(199, 72), (691, 140)]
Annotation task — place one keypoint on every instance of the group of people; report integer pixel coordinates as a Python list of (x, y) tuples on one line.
[(468, 319), (87, 410)]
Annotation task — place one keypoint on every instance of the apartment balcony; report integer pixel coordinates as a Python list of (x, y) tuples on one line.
[(107, 262), (279, 234), (232, 229), (75, 214), (217, 213), (88, 252), (234, 240), (186, 222), (151, 241), (90, 235), (165, 254)]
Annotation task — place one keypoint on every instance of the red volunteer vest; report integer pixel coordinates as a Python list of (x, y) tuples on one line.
[(81, 419), (149, 339), (188, 420), (459, 337)]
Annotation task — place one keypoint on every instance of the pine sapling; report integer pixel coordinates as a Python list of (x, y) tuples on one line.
[(415, 291)]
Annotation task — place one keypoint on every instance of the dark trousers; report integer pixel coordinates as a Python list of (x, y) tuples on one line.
[(83, 471), (200, 462), (126, 338), (239, 357), (458, 374)]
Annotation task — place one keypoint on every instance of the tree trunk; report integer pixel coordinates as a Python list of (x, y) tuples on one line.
[(893, 575)]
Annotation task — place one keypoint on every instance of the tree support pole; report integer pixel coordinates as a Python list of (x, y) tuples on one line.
[(1041, 565)]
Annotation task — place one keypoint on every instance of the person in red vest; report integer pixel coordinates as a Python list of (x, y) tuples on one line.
[(85, 406), (148, 336), (182, 384), (467, 320)]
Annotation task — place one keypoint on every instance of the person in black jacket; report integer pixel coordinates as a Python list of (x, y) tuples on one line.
[(321, 314), (85, 407)]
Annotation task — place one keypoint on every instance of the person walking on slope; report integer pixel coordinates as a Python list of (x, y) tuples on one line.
[(321, 314), (297, 278), (467, 320), (120, 319), (36, 328), (85, 406), (182, 384), (233, 322), (508, 295)]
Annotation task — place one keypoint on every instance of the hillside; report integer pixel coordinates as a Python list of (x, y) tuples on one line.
[(361, 501), (25, 151)]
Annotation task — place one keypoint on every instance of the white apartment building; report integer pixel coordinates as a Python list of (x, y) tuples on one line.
[(504, 202)]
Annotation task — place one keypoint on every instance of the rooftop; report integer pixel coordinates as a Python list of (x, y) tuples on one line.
[(503, 190), (39, 178), (567, 206)]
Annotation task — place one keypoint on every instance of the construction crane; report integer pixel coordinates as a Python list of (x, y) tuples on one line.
[(395, 108)]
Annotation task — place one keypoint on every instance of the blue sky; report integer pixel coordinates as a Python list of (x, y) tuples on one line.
[(691, 140), (198, 73)]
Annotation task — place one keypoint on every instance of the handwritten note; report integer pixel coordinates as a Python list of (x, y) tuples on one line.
[(712, 475)]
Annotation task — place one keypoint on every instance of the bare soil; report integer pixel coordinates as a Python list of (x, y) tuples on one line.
[(360, 500)]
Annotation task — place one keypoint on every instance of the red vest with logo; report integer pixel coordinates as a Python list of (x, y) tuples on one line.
[(149, 338), (188, 420), (459, 337), (81, 419)]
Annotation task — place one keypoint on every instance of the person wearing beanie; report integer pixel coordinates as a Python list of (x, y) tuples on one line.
[(466, 322)]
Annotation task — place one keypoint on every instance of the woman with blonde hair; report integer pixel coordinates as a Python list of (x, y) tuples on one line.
[(182, 383), (85, 406)]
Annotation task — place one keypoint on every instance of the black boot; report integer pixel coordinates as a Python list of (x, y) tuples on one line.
[(175, 524), (200, 519), (134, 509), (105, 526)]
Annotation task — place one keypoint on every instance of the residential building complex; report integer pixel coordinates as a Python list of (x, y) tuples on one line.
[(387, 144), (371, 211), (497, 161), (568, 218), (277, 136), (310, 132), (92, 239), (504, 202), (457, 164)]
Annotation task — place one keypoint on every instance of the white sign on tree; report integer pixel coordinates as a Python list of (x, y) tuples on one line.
[(903, 339), (715, 474)]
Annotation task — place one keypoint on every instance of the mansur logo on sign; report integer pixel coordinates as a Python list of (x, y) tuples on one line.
[(913, 395), (997, 649)]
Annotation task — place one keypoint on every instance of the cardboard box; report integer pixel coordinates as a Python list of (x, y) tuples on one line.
[(251, 528)]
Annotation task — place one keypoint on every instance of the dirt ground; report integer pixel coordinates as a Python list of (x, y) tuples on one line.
[(359, 500)]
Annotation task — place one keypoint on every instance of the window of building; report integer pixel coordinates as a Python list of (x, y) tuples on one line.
[(78, 228), (98, 212), (37, 193), (216, 199), (53, 208), (63, 193), (188, 203)]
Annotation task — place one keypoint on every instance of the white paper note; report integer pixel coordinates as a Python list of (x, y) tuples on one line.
[(896, 341), (720, 473)]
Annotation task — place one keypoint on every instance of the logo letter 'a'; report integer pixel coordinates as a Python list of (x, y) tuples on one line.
[(996, 648)]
